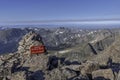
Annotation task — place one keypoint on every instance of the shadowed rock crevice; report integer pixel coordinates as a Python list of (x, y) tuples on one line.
[(92, 48), (100, 78)]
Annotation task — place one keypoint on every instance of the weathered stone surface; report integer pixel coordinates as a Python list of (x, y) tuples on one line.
[(103, 74), (118, 77), (18, 76), (38, 75), (88, 67), (81, 77), (100, 43), (60, 74), (55, 74), (36, 62), (72, 67), (68, 73)]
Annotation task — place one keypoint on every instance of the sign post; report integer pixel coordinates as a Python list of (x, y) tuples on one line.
[(37, 49)]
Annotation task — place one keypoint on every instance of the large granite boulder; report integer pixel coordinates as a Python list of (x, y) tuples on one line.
[(103, 74), (88, 67)]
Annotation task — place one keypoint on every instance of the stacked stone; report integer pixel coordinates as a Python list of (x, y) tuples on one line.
[(35, 62), (30, 39)]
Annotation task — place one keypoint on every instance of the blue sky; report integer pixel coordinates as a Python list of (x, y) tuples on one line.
[(45, 10)]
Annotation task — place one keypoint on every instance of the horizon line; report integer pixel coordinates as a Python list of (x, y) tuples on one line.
[(66, 20)]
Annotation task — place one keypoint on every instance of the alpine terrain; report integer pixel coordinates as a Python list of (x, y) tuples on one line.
[(67, 54)]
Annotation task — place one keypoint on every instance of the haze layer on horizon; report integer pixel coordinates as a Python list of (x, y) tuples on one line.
[(62, 22)]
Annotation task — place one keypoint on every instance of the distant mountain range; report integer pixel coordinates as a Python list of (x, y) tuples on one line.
[(54, 38)]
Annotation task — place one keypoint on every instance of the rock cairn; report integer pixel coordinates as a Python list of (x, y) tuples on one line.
[(35, 61), (30, 39), (21, 62)]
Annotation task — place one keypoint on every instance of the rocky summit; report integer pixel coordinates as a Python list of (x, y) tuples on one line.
[(22, 65), (15, 65)]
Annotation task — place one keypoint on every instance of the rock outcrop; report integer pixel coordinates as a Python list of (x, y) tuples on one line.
[(101, 42), (88, 67), (106, 74)]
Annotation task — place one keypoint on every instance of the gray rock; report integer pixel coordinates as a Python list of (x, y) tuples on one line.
[(81, 77), (18, 76), (60, 74), (118, 78), (72, 67), (38, 75), (88, 67), (103, 74)]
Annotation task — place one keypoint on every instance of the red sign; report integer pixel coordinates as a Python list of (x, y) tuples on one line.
[(37, 49)]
